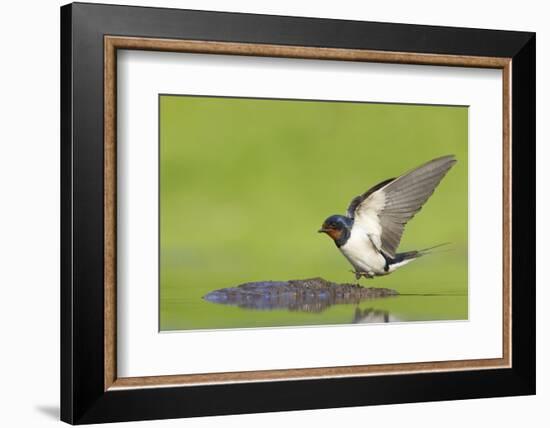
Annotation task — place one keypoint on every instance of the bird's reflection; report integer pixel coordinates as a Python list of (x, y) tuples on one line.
[(277, 295), (370, 315)]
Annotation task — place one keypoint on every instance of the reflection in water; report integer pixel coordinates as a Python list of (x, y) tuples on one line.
[(315, 295), (369, 315)]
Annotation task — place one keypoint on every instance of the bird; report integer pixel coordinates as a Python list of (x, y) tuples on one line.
[(369, 235)]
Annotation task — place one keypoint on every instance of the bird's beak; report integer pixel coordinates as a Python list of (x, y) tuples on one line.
[(322, 230)]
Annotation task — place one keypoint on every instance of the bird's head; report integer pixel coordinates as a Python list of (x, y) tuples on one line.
[(337, 227)]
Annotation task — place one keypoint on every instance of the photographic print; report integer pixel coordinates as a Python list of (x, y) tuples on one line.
[(280, 212)]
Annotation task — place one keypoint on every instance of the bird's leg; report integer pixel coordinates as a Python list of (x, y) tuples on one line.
[(359, 274), (367, 275)]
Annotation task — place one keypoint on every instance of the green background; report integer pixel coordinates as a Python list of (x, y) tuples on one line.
[(246, 183)]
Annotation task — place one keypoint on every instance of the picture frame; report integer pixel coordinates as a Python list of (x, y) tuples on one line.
[(91, 36)]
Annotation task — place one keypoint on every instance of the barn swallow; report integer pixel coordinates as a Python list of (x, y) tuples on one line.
[(368, 236)]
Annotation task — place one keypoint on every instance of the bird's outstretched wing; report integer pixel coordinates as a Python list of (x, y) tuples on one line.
[(384, 209)]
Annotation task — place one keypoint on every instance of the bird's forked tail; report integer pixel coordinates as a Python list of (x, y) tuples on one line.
[(401, 259)]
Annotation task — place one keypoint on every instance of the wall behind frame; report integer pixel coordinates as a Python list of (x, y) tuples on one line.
[(29, 219)]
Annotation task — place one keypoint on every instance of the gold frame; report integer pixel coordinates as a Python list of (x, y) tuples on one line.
[(112, 43)]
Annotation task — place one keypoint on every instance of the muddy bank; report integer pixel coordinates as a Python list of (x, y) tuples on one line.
[(309, 295)]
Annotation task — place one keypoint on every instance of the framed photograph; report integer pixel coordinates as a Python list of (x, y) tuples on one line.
[(265, 213)]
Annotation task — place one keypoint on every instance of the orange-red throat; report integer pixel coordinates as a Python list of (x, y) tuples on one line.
[(335, 234)]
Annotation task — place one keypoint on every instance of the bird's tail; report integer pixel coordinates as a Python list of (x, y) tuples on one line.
[(401, 257)]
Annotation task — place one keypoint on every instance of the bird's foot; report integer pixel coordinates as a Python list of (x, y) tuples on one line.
[(359, 274)]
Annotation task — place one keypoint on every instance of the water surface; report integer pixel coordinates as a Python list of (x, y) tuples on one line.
[(182, 314)]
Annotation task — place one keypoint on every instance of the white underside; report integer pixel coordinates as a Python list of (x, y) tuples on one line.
[(362, 254)]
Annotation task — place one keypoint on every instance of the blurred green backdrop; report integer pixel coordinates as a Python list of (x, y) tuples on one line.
[(246, 183)]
